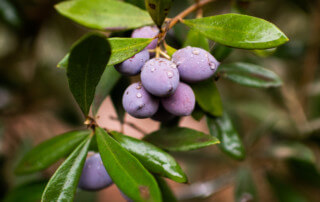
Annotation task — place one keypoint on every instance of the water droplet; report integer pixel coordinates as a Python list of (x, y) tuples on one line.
[(170, 74), (152, 69), (138, 87), (173, 66), (206, 55), (195, 52), (212, 65), (139, 95)]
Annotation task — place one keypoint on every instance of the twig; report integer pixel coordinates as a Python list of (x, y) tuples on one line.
[(295, 108), (199, 10), (206, 189), (311, 59), (132, 125), (186, 12)]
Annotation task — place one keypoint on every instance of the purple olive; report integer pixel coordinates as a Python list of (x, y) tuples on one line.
[(94, 175), (160, 77), (133, 65), (194, 64), (147, 32), (182, 102), (138, 102)]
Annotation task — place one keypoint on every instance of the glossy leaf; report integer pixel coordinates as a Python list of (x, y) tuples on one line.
[(29, 192), (222, 128), (250, 75), (221, 52), (284, 190), (180, 139), (126, 171), (116, 97), (239, 31), (195, 39), (104, 14), (208, 97), (50, 151), (158, 10), (87, 62), (245, 189), (151, 157), (166, 192), (107, 82), (121, 49), (63, 184), (170, 50)]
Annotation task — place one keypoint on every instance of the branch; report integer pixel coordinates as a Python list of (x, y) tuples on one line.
[(186, 12)]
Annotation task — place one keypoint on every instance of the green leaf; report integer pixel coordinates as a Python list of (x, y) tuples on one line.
[(170, 50), (197, 113), (116, 97), (9, 13), (239, 31), (138, 3), (50, 151), (208, 97), (124, 48), (221, 52), (304, 171), (87, 62), (292, 150), (107, 82), (222, 128), (63, 184), (151, 157), (166, 192), (158, 10), (63, 63), (265, 52), (245, 189), (29, 192), (121, 49), (104, 14), (284, 191), (126, 171), (195, 39), (250, 75), (180, 139)]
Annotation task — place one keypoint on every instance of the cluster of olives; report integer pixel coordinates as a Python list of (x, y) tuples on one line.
[(161, 95)]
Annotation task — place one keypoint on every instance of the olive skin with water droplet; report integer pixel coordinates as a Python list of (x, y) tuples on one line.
[(138, 102), (182, 102), (194, 64), (94, 175), (160, 77), (133, 65), (147, 32)]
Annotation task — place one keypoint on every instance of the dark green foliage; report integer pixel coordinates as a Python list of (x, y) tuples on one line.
[(87, 62)]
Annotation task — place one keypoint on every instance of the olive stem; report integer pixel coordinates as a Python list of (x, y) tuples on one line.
[(165, 55)]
